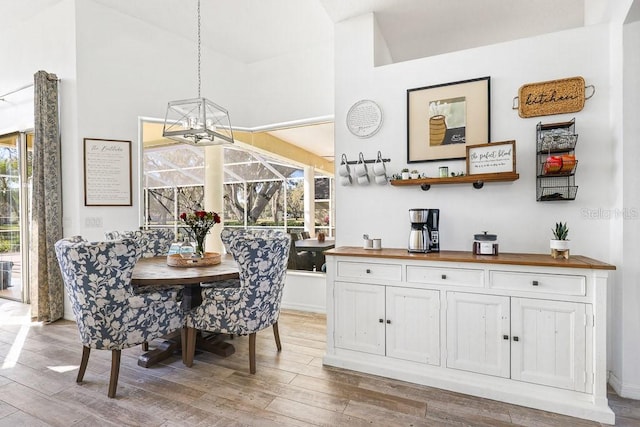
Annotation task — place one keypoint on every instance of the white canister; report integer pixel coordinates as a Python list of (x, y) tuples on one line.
[(485, 244)]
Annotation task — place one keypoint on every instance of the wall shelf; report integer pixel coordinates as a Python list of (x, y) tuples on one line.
[(476, 180)]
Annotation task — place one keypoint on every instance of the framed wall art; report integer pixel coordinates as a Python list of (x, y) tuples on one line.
[(497, 157), (107, 172), (443, 120)]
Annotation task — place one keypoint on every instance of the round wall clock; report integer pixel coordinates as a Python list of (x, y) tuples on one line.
[(364, 118)]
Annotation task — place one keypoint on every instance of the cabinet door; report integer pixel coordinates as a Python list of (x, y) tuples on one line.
[(551, 344), (478, 333), (359, 317), (413, 324)]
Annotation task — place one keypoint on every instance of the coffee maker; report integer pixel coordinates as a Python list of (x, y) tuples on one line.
[(424, 236)]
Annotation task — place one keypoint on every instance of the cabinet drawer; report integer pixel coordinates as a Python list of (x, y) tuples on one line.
[(445, 276), (538, 282), (363, 270)]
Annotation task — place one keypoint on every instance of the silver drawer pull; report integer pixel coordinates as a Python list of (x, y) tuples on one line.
[(534, 283), (444, 277), (368, 271)]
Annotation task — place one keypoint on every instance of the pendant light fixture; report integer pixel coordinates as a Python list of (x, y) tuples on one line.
[(197, 121)]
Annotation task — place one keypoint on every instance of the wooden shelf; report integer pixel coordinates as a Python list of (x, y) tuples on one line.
[(476, 180)]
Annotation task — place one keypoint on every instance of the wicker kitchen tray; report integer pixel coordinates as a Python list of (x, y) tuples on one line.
[(552, 97), (210, 258)]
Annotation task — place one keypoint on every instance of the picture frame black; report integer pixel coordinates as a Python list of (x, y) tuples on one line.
[(443, 119)]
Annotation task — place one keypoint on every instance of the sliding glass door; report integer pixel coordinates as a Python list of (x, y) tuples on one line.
[(16, 157)]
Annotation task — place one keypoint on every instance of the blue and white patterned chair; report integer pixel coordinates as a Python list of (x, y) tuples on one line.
[(110, 316), (153, 242), (253, 306), (227, 235)]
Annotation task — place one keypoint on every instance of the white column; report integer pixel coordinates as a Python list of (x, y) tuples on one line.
[(309, 200), (214, 193)]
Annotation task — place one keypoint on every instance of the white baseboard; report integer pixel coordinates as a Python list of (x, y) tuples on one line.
[(628, 391)]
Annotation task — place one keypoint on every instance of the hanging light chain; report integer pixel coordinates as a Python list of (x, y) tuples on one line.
[(199, 79)]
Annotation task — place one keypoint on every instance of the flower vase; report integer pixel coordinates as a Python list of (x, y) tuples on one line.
[(199, 253)]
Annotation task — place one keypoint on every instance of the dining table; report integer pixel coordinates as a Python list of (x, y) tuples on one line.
[(317, 248), (155, 272)]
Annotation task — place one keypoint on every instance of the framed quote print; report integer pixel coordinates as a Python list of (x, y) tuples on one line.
[(107, 172)]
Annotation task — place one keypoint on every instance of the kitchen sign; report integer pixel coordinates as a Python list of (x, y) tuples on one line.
[(552, 97), (496, 157)]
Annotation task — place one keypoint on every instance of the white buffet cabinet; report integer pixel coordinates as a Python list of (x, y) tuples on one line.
[(520, 328)]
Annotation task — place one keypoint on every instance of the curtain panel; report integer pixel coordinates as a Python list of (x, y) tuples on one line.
[(46, 286)]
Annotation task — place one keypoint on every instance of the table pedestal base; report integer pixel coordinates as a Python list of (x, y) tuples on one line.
[(176, 342)]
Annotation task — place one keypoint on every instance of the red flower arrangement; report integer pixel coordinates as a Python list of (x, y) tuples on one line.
[(200, 222)]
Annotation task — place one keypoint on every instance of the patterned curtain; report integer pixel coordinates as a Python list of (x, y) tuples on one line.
[(47, 295)]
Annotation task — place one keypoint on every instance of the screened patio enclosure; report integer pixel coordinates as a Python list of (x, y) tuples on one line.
[(259, 190)]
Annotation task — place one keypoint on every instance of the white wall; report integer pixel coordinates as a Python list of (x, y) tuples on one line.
[(607, 204), (625, 376), (290, 87), (44, 42), (507, 209)]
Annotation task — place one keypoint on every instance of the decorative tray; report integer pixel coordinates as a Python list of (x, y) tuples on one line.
[(210, 258)]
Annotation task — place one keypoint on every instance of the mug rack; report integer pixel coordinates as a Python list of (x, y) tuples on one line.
[(361, 159)]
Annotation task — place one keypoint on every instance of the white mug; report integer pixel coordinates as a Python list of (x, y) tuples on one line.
[(367, 244), (363, 180), (379, 168), (377, 244), (381, 179), (343, 169), (345, 180), (361, 169)]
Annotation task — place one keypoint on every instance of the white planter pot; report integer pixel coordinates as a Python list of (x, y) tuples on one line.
[(405, 175), (560, 245), (415, 175)]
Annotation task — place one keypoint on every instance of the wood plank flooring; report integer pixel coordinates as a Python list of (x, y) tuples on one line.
[(38, 366)]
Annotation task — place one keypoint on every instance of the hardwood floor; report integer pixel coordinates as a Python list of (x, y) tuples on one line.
[(39, 363)]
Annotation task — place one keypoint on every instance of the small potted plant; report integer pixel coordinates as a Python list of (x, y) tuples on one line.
[(405, 173), (560, 244), (415, 174)]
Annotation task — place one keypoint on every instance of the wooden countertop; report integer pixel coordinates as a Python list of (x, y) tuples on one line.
[(542, 260)]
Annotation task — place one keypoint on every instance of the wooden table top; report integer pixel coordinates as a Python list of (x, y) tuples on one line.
[(542, 260), (155, 271)]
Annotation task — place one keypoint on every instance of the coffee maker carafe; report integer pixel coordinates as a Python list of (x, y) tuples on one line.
[(424, 235)]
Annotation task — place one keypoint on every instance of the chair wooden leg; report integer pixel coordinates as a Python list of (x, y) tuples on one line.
[(252, 353), (183, 342), (276, 335), (83, 363), (187, 357), (115, 372), (145, 346)]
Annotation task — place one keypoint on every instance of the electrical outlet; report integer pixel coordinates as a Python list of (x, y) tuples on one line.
[(93, 222)]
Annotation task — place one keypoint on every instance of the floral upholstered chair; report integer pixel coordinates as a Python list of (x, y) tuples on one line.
[(110, 316), (153, 242), (227, 235), (253, 306)]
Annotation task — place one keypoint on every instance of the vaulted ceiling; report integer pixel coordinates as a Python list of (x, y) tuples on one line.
[(254, 30)]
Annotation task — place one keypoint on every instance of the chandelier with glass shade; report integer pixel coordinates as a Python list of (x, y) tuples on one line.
[(197, 121)]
